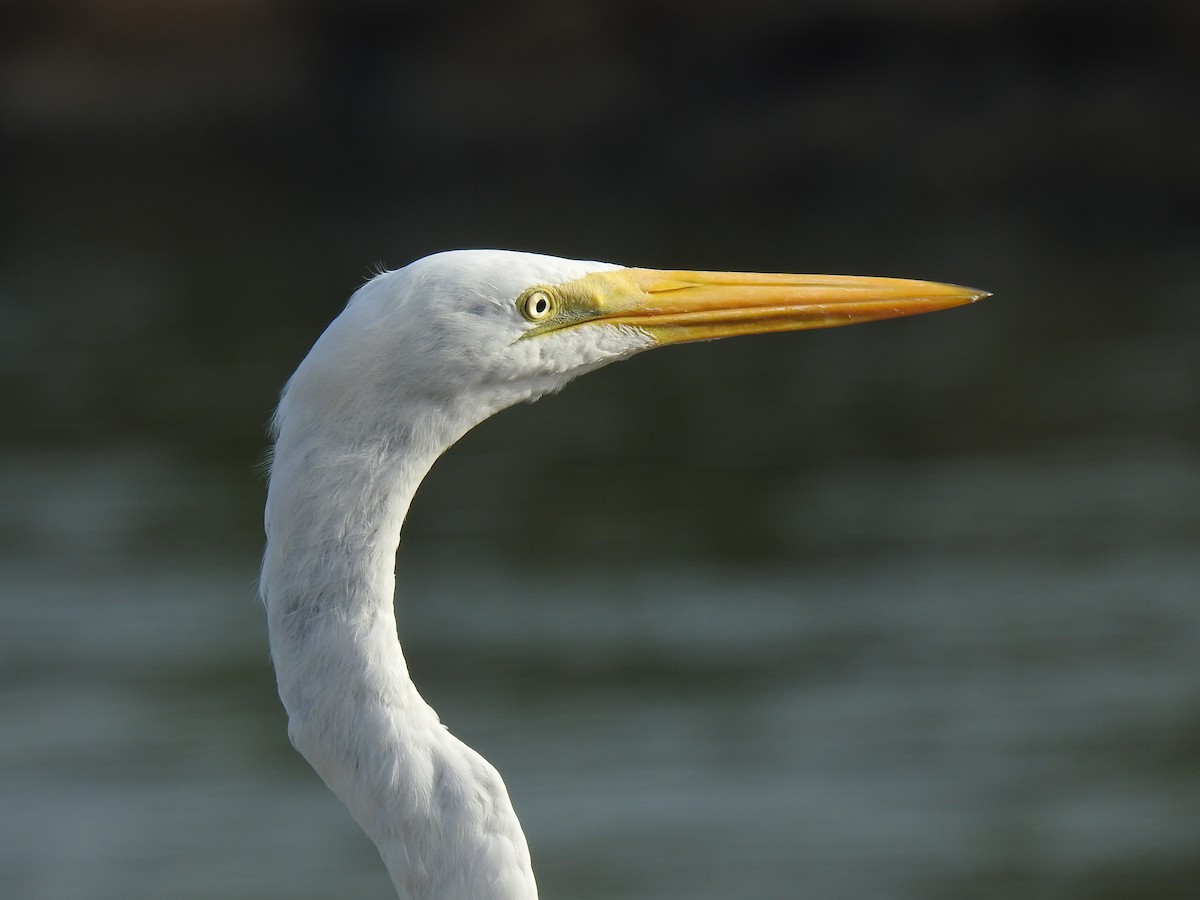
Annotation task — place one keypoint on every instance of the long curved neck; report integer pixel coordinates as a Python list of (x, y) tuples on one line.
[(438, 812)]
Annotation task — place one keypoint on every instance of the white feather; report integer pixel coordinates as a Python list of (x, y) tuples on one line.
[(417, 358)]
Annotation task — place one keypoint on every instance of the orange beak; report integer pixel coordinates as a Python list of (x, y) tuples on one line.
[(676, 306)]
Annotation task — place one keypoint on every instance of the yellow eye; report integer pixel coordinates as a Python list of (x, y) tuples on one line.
[(537, 306)]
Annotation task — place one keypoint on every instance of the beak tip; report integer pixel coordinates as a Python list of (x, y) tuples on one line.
[(973, 295)]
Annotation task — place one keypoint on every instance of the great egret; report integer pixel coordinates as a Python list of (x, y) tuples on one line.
[(418, 357)]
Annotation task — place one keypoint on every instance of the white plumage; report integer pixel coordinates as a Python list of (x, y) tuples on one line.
[(418, 357)]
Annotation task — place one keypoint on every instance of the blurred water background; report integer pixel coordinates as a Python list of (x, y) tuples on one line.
[(909, 610)]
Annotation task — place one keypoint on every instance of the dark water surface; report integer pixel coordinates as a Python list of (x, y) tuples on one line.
[(980, 683), (906, 610)]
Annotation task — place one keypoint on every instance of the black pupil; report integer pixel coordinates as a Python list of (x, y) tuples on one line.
[(539, 305)]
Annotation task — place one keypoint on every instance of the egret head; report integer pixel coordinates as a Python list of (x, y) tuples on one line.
[(475, 331)]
